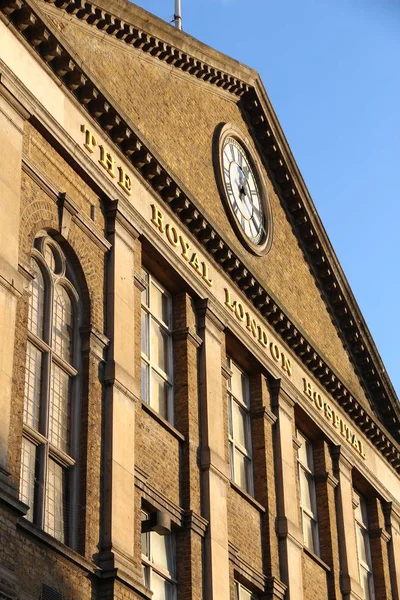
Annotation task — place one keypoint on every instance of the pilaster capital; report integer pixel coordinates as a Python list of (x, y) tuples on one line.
[(342, 465), (275, 589), (379, 533), (118, 218), (281, 399), (326, 477), (210, 316), (392, 515), (14, 95), (187, 333), (115, 375), (287, 529), (94, 342), (212, 461), (263, 413)]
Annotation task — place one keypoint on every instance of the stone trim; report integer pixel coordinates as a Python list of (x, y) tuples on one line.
[(380, 533), (244, 569), (316, 559), (195, 522), (264, 413), (163, 422), (140, 283), (275, 589), (125, 32), (295, 198), (248, 497), (157, 499), (65, 551), (326, 478), (187, 333)]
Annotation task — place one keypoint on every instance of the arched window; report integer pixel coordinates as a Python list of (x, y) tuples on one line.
[(51, 386)]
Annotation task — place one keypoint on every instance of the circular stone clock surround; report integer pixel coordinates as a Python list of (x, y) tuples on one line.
[(243, 190)]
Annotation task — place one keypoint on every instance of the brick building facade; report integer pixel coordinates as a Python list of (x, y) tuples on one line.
[(192, 405)]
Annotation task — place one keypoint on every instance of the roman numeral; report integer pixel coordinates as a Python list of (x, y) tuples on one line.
[(229, 188)]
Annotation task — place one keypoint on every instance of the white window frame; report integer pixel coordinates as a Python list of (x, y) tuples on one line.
[(244, 404), (150, 567), (39, 436), (167, 328), (362, 526), (241, 591), (311, 514)]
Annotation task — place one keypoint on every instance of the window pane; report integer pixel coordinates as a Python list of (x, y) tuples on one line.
[(162, 590), (50, 258), (36, 302), (240, 425), (59, 409), (162, 551), (145, 293), (309, 532), (33, 375), (242, 470), (366, 582), (302, 451), (306, 490), (62, 323), (159, 394), (27, 482), (242, 593), (55, 501), (159, 304), (159, 346), (145, 381), (362, 544), (145, 332), (238, 383)]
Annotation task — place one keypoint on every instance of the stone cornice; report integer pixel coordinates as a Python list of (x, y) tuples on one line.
[(121, 131)]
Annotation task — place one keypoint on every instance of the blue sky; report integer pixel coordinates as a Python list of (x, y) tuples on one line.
[(331, 69)]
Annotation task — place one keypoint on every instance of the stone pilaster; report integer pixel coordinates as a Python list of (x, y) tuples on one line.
[(213, 462), (189, 542), (350, 577), (392, 521), (379, 539), (263, 421), (288, 524), (12, 119), (118, 543), (325, 485)]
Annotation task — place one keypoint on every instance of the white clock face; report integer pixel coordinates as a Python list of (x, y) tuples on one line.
[(242, 191)]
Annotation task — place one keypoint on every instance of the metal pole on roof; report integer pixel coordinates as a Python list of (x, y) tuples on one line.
[(178, 14)]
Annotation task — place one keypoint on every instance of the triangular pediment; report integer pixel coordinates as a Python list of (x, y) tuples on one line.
[(172, 98)]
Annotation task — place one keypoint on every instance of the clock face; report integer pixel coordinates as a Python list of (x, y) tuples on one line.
[(242, 191)]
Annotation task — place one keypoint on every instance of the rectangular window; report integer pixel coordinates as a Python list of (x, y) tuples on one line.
[(158, 564), (308, 502), (156, 343), (363, 547), (239, 428)]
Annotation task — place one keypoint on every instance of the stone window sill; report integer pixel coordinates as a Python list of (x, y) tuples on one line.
[(59, 547), (163, 422), (248, 497), (316, 559)]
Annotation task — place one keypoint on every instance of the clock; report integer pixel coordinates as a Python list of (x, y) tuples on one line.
[(243, 190)]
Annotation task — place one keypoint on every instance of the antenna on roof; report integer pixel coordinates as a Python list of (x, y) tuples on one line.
[(178, 14)]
